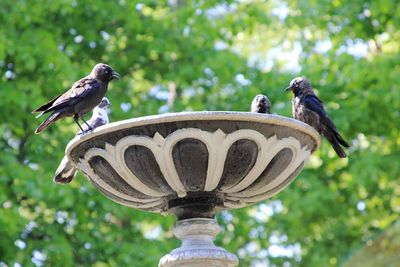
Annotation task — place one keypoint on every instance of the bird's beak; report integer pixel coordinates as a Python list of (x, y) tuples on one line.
[(115, 75), (289, 88)]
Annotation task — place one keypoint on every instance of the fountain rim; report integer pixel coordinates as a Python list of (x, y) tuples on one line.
[(198, 116)]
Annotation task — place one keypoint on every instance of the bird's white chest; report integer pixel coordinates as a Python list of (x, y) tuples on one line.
[(297, 109), (102, 115), (295, 101), (99, 117)]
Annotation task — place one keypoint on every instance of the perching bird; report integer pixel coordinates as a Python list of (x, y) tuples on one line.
[(66, 171), (307, 107), (83, 96), (261, 104)]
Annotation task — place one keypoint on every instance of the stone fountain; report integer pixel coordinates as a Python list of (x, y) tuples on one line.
[(194, 165)]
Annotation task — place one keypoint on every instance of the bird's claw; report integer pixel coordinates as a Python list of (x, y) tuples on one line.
[(82, 133)]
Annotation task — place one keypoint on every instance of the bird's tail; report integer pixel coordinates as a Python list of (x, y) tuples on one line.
[(40, 114), (336, 140), (341, 141), (65, 172), (53, 117), (339, 151)]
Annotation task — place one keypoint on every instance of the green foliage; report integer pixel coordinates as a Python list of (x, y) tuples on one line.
[(380, 251), (202, 55)]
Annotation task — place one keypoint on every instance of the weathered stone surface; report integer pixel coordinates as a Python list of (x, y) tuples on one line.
[(194, 164), (198, 248)]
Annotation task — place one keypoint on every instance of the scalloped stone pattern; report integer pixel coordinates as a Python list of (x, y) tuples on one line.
[(196, 163)]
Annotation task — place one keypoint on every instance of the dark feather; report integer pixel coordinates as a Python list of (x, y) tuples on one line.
[(77, 93), (81, 98), (261, 104), (341, 140), (55, 116), (313, 103), (331, 137), (46, 106), (308, 108)]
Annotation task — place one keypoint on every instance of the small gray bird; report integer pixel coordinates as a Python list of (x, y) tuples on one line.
[(308, 108), (83, 96), (66, 171), (261, 104)]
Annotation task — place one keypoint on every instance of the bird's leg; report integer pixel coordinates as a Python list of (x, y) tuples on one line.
[(77, 122), (87, 124)]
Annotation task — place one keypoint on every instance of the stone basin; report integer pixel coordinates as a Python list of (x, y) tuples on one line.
[(194, 164)]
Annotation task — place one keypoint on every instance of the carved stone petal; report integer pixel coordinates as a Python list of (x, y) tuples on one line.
[(194, 164)]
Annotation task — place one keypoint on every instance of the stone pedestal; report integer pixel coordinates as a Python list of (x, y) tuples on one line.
[(198, 249)]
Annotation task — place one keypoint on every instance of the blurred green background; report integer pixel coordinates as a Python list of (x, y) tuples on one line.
[(203, 55)]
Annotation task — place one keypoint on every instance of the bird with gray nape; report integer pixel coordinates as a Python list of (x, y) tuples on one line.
[(308, 108), (261, 104), (83, 96), (66, 171)]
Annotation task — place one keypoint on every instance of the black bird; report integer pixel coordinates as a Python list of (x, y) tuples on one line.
[(261, 104), (66, 171), (83, 96), (307, 107)]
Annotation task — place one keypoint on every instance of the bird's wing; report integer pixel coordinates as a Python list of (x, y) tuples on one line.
[(313, 103), (78, 91), (47, 105), (98, 122)]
